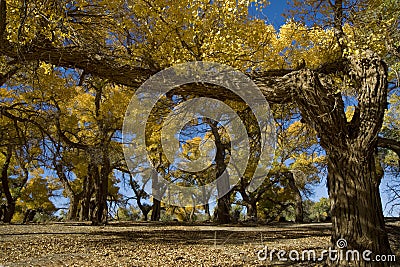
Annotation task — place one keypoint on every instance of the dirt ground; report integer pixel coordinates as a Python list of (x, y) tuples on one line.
[(155, 244)]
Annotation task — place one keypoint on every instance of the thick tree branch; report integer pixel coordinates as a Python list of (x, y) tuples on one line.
[(275, 88), (390, 144), (320, 107), (274, 84), (371, 74), (91, 62)]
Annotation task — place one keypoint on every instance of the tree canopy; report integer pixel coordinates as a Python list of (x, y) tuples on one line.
[(69, 68)]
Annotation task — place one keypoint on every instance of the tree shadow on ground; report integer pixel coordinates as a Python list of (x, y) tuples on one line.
[(211, 235)]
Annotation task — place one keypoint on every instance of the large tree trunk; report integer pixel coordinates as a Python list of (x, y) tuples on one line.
[(353, 178), (357, 217)]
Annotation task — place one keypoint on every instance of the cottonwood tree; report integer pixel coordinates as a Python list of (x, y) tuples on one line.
[(127, 42), (296, 143), (20, 149), (86, 125), (140, 195), (36, 194), (353, 172), (78, 128)]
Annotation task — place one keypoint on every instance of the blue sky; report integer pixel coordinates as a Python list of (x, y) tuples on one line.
[(273, 13)]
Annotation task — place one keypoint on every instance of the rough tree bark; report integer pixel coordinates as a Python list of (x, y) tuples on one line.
[(353, 179)]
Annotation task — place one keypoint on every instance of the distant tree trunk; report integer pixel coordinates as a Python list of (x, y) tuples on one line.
[(10, 210), (250, 202), (251, 210), (94, 205), (297, 196), (224, 197), (223, 209), (192, 213), (102, 173), (86, 195), (140, 194), (156, 190), (10, 206), (146, 214), (207, 211), (145, 209), (2, 210), (85, 209), (73, 208), (73, 197), (205, 199), (156, 210), (102, 210), (223, 184)]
